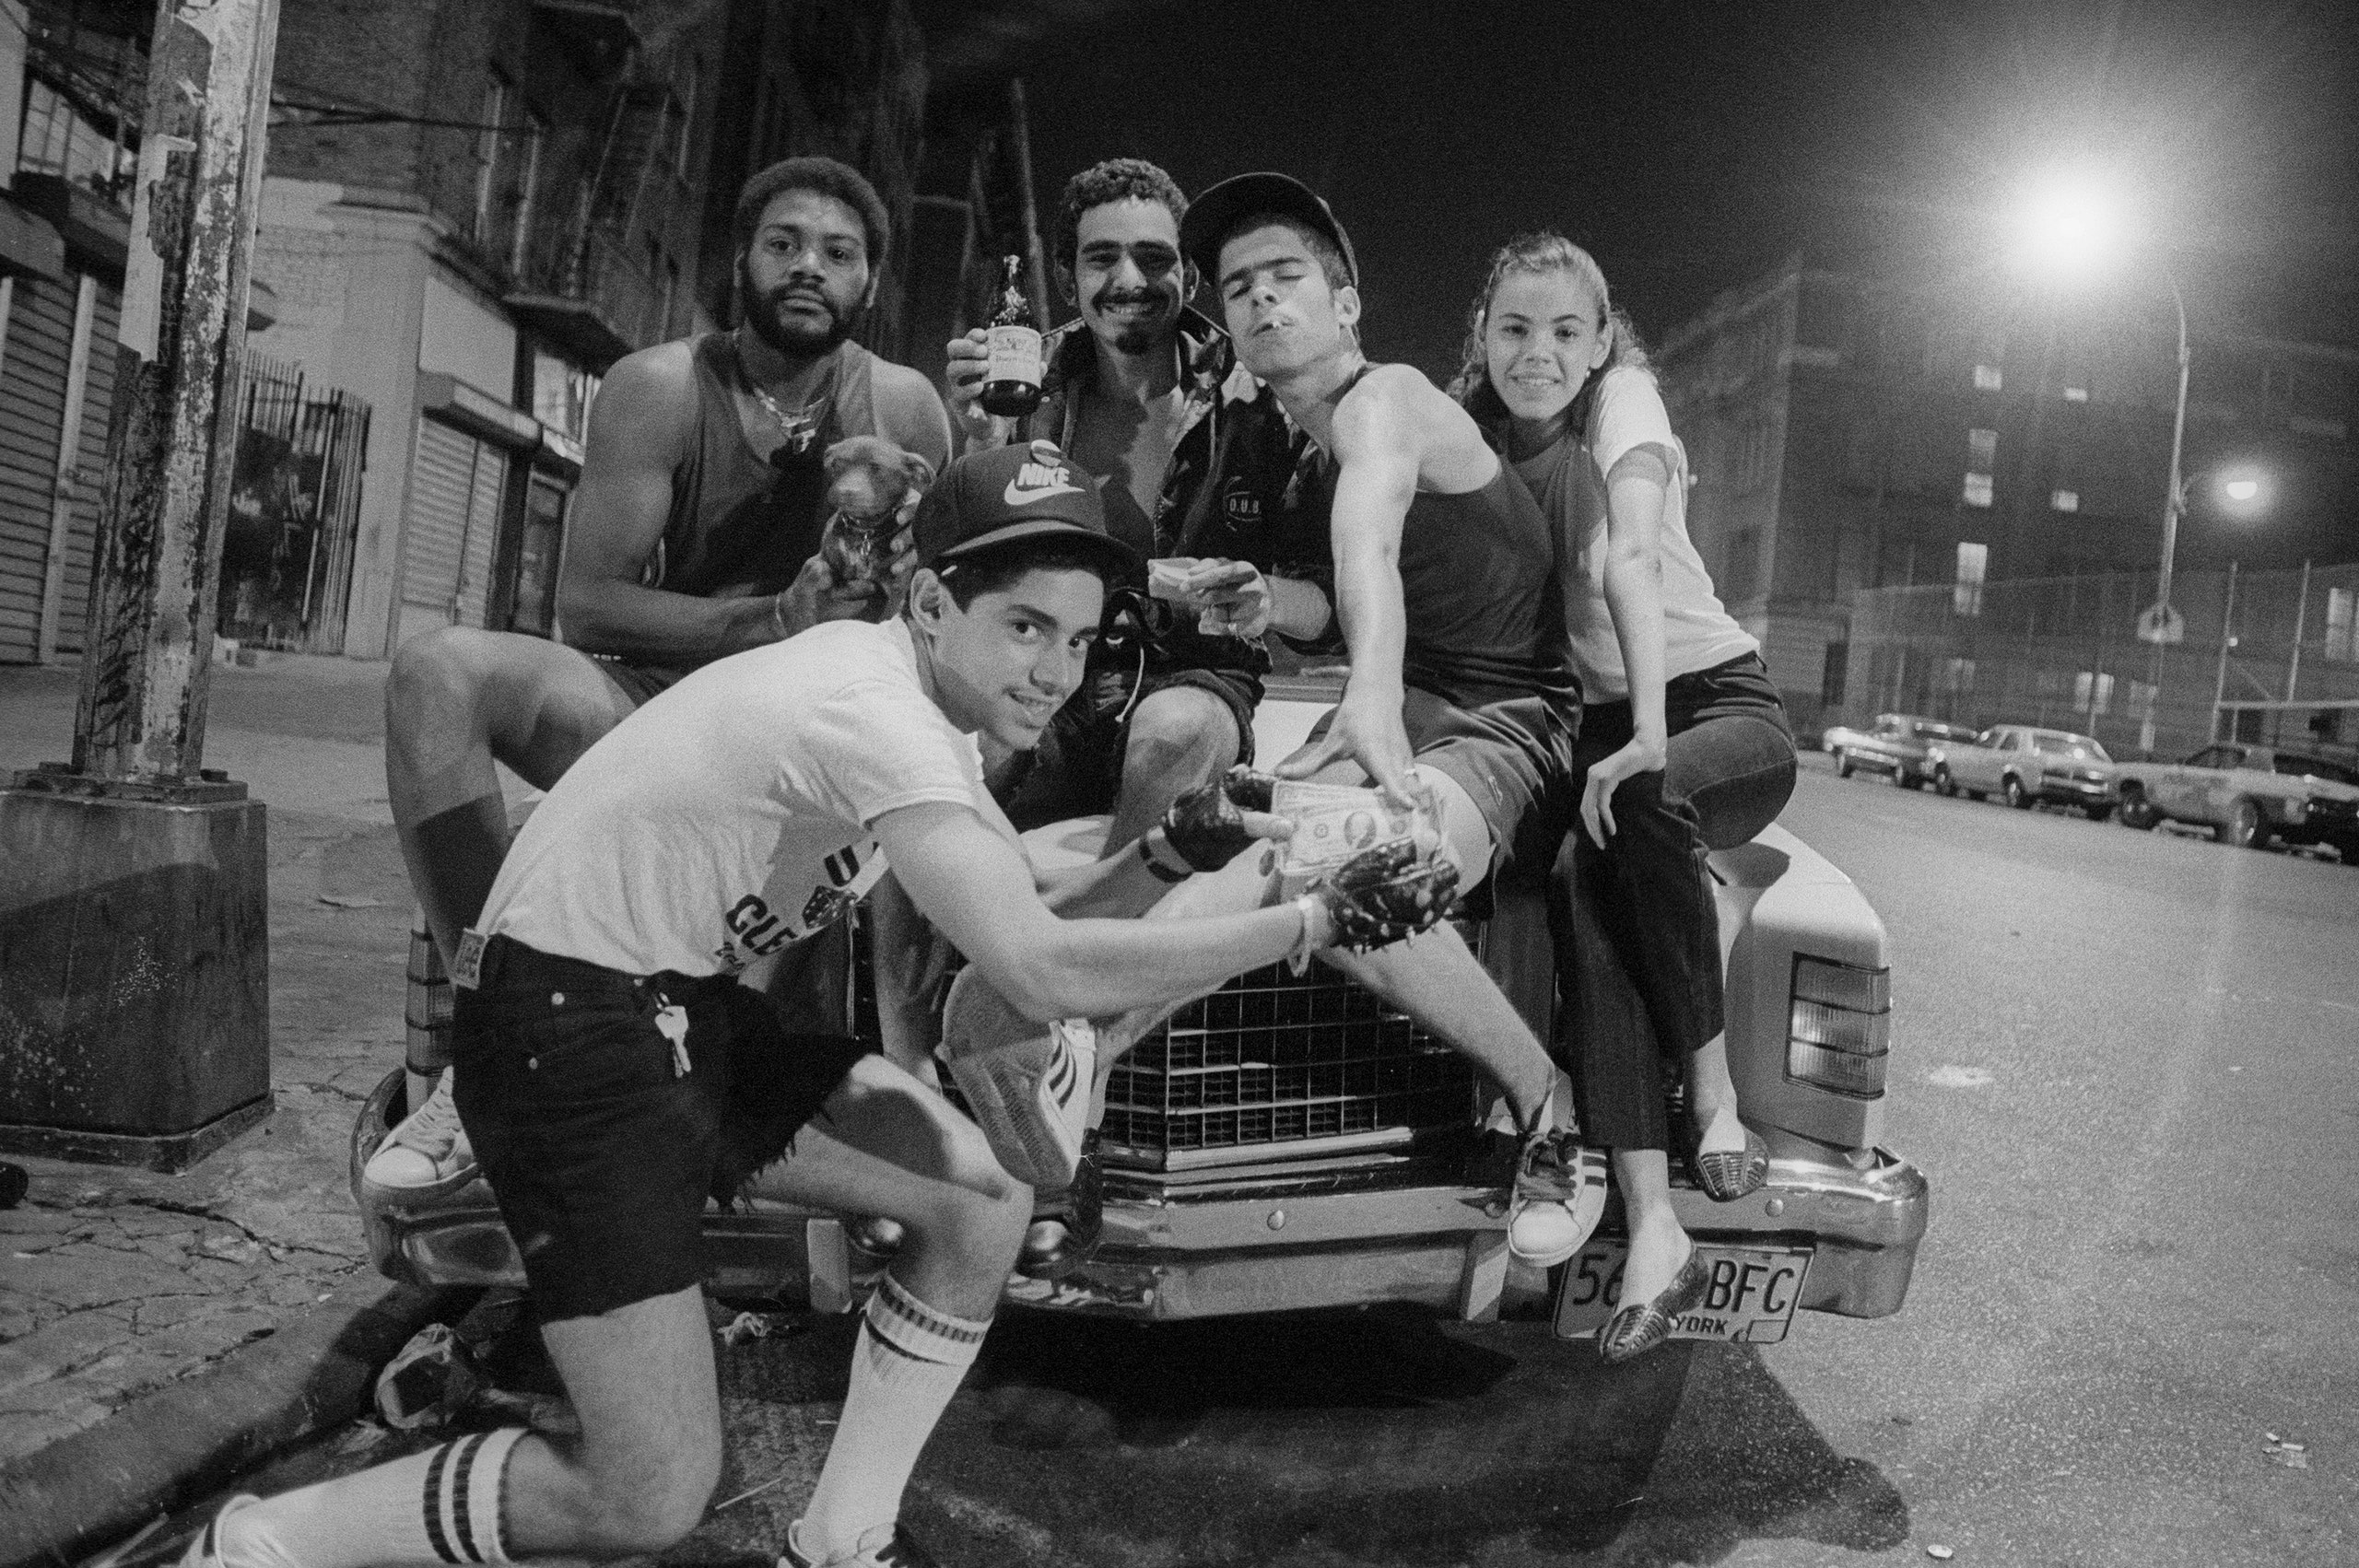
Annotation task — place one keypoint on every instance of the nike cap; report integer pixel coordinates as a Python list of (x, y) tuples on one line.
[(1007, 492), (1214, 216)]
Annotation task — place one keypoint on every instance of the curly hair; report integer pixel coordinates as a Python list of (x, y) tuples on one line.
[(1116, 180), (822, 176), (1543, 251)]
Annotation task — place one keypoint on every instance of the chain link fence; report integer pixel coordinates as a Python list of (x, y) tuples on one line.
[(2063, 652)]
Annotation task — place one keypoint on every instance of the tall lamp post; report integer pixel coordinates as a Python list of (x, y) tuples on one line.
[(2070, 228), (2159, 623)]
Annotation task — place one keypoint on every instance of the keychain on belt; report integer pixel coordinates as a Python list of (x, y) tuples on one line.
[(672, 1023)]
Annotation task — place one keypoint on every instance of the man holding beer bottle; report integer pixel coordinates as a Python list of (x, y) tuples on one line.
[(1143, 391)]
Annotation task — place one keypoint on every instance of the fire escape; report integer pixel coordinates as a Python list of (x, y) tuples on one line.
[(597, 278)]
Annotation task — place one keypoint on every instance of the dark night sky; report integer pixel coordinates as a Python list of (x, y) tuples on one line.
[(1690, 145)]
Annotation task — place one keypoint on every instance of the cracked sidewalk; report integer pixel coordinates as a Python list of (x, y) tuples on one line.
[(115, 1282)]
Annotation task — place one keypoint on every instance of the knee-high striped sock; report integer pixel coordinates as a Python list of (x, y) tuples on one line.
[(441, 1506), (909, 1362)]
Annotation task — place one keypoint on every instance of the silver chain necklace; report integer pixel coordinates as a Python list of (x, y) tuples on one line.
[(801, 426)]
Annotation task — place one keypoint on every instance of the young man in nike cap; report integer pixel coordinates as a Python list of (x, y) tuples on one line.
[(1461, 685), (616, 1063)]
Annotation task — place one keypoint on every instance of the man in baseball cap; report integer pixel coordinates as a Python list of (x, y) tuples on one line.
[(1462, 688), (617, 1060), (1221, 210), (1004, 494)]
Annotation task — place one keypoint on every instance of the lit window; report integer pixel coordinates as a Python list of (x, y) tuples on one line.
[(2340, 642), (1965, 594), (1977, 489), (2076, 394), (2065, 500), (1987, 378), (2092, 693)]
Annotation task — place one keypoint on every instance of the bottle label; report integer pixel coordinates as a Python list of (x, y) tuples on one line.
[(1012, 353)]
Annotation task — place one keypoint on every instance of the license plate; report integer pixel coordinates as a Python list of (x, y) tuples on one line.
[(1750, 1300)]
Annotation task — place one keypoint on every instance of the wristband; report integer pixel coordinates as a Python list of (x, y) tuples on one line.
[(1308, 906), (1156, 868), (778, 615)]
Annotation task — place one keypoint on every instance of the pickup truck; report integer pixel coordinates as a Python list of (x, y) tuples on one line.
[(2023, 765), (2248, 795), (1290, 1143)]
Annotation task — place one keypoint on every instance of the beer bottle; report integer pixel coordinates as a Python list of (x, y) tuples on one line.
[(1012, 345)]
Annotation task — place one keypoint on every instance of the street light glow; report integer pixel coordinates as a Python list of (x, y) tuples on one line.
[(2245, 489), (2071, 226)]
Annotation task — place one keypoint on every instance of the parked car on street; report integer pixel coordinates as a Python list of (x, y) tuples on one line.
[(1894, 744), (2248, 795), (1290, 1142), (2024, 765)]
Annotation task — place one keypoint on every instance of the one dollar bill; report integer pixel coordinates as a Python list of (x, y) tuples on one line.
[(1335, 821)]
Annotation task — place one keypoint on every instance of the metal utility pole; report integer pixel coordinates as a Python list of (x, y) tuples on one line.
[(2227, 641), (134, 930), (2301, 624), (182, 337)]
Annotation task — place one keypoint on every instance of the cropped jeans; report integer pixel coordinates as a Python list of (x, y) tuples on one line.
[(1634, 924)]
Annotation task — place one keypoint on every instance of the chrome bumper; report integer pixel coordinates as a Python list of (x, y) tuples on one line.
[(1163, 1257)]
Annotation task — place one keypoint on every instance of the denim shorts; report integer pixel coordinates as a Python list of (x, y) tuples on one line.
[(1515, 759), (600, 1149)]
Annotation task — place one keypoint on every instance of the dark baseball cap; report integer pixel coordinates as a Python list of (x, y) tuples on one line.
[(1212, 216), (1023, 491)]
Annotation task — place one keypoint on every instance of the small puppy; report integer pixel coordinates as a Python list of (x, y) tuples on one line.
[(868, 478)]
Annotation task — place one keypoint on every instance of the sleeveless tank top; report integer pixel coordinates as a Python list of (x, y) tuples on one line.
[(1481, 586), (1485, 603), (741, 525)]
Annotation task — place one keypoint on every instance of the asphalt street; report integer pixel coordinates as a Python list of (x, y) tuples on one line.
[(2125, 1058)]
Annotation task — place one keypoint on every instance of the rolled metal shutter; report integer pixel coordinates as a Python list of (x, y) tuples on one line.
[(98, 404), (33, 415), (454, 493)]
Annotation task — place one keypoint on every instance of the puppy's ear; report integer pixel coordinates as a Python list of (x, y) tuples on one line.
[(919, 472)]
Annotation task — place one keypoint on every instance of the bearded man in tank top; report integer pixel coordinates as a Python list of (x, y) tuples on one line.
[(694, 533)]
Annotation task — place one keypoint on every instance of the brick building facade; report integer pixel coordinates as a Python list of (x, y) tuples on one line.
[(1848, 434)]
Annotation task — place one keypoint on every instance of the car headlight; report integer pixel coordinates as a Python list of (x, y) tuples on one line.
[(1839, 1033)]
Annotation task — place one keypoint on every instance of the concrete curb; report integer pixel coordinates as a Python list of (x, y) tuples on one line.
[(187, 1438)]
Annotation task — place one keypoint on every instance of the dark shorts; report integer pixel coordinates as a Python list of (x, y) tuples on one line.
[(639, 683), (1515, 759), (1076, 770), (601, 1153)]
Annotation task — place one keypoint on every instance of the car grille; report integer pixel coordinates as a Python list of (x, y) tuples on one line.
[(1271, 1066), (2338, 809), (1274, 1065)]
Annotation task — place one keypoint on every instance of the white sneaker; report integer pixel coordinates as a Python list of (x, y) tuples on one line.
[(204, 1552), (1559, 1197), (426, 1156), (1026, 1085), (887, 1546)]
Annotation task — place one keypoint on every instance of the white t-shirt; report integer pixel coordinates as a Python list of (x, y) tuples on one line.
[(1697, 633), (731, 815)]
